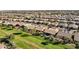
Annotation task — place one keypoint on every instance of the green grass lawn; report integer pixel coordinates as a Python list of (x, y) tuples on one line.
[(29, 41)]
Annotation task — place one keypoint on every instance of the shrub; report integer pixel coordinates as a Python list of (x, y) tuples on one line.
[(77, 45), (44, 43), (9, 28), (3, 28), (46, 37), (24, 35), (36, 34), (56, 41), (17, 33)]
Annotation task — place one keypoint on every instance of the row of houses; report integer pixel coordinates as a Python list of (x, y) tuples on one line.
[(59, 25), (59, 32)]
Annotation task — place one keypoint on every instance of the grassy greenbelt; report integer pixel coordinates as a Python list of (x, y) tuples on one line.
[(25, 40)]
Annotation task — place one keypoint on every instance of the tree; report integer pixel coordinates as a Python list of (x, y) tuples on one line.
[(55, 41), (11, 36), (73, 38), (24, 28), (33, 31), (77, 45), (66, 40), (46, 37), (10, 26)]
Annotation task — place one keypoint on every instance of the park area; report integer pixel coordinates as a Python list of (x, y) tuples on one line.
[(25, 40)]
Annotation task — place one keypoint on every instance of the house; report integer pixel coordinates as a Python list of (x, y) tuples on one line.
[(76, 36), (72, 31), (2, 46), (65, 34), (76, 19), (64, 25), (51, 31), (1, 21), (40, 27), (73, 26), (30, 26)]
